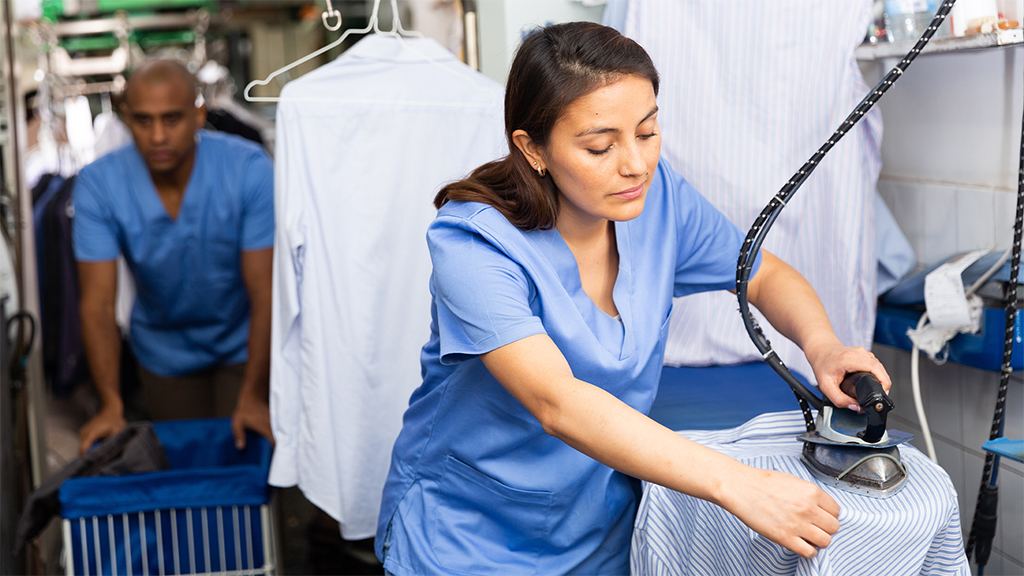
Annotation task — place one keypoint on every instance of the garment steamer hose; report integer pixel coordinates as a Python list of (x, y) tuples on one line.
[(765, 220), (983, 527)]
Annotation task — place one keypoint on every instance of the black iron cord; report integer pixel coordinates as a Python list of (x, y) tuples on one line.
[(765, 220), (983, 526)]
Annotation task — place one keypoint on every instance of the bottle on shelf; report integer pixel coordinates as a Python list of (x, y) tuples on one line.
[(907, 19), (876, 28)]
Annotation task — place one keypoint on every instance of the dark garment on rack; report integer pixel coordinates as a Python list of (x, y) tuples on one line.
[(42, 193), (64, 360), (42, 186), (225, 121), (134, 450)]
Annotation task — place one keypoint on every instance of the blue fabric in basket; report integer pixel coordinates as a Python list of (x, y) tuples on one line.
[(193, 518), (206, 470)]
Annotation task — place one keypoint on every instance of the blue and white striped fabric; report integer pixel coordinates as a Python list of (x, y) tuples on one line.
[(915, 531), (750, 89)]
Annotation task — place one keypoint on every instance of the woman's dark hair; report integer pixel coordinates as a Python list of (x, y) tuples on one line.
[(554, 66)]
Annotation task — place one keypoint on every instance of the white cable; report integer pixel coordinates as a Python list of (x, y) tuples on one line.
[(915, 378), (915, 385)]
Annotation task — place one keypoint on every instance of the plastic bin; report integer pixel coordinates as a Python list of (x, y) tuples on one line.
[(208, 514)]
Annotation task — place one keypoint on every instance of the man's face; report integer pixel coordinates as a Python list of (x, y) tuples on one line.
[(163, 118)]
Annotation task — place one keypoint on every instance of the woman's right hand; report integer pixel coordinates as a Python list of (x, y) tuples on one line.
[(783, 508)]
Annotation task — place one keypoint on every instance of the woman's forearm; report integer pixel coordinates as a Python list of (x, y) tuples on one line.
[(600, 425), (783, 508), (791, 306)]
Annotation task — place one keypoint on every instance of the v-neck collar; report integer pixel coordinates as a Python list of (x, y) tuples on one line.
[(152, 205), (615, 335)]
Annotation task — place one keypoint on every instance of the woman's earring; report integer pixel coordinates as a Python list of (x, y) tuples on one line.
[(540, 170)]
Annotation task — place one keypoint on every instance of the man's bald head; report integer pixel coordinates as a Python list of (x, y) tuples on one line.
[(160, 109), (168, 74)]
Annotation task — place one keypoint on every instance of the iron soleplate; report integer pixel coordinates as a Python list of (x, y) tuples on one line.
[(873, 472)]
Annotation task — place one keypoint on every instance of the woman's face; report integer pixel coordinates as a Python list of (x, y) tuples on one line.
[(603, 152)]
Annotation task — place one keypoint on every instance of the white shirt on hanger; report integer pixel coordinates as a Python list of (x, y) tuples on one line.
[(363, 145)]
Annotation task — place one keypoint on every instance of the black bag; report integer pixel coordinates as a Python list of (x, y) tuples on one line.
[(134, 450)]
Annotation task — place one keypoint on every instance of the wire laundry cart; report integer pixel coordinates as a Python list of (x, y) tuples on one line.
[(209, 514)]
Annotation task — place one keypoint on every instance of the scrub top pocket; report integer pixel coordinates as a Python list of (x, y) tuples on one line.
[(480, 523)]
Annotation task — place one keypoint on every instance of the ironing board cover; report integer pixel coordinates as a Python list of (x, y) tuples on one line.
[(916, 531)]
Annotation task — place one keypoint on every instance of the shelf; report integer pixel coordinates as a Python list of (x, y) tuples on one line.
[(999, 39), (133, 22)]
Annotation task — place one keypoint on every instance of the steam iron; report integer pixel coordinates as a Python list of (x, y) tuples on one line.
[(855, 452)]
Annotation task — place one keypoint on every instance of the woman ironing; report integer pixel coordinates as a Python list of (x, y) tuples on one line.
[(554, 273)]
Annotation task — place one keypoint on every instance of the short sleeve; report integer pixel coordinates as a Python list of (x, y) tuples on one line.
[(482, 295), (258, 203), (94, 231), (709, 243)]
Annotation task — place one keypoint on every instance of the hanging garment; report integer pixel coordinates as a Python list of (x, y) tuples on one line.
[(363, 145), (225, 113), (751, 89), (111, 134), (896, 257), (225, 121), (64, 360), (42, 193)]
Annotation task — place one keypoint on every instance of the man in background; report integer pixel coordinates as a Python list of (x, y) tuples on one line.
[(191, 211)]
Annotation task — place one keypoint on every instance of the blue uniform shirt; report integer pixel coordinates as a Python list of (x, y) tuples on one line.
[(476, 485), (191, 306)]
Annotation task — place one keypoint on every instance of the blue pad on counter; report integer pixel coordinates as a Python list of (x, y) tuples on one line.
[(720, 397)]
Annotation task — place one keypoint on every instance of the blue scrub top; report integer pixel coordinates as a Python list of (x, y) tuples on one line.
[(191, 307), (476, 486)]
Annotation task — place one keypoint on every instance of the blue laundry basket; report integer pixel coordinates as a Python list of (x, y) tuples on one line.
[(208, 514)]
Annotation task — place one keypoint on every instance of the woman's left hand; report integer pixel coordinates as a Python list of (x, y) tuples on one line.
[(831, 363)]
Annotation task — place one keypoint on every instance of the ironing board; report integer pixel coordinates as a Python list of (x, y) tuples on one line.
[(916, 531)]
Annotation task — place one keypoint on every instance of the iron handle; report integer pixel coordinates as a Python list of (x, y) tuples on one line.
[(872, 399)]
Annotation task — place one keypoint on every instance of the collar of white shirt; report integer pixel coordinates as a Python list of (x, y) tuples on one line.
[(392, 49)]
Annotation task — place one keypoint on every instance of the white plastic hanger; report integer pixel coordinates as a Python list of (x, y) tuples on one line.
[(372, 26), (397, 31)]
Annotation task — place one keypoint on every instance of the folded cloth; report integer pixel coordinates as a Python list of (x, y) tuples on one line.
[(134, 450)]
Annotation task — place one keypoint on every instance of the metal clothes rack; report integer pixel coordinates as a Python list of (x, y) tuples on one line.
[(81, 57), (22, 439)]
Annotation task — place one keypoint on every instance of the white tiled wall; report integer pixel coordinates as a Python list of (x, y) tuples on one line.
[(941, 219), (950, 159)]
